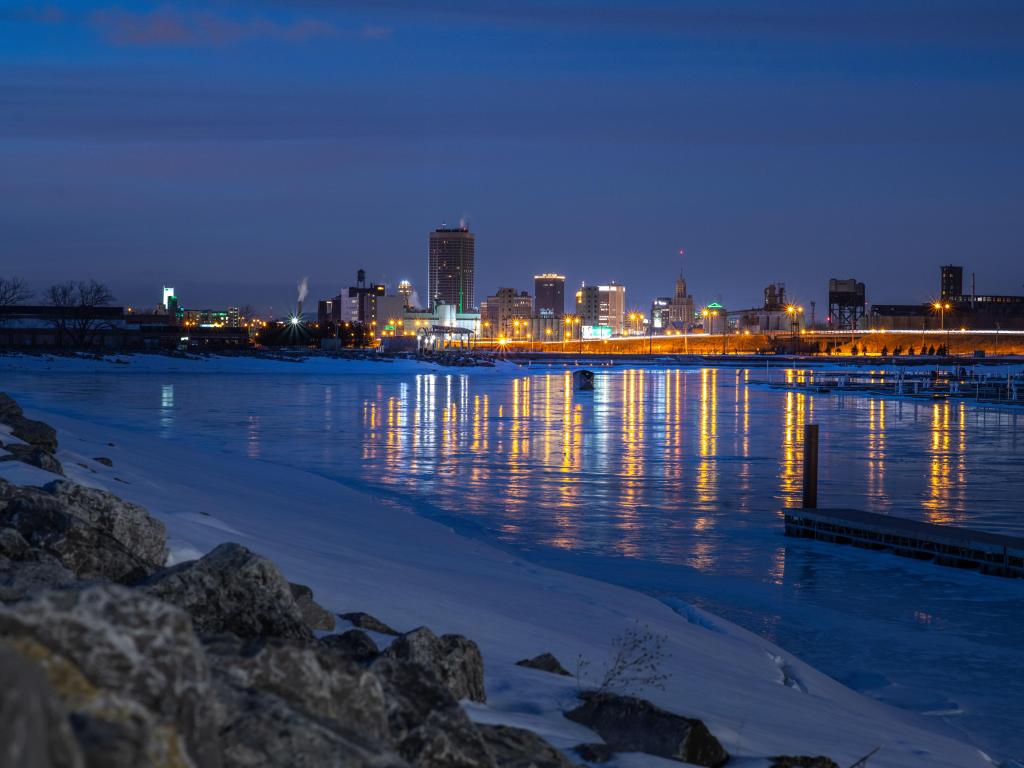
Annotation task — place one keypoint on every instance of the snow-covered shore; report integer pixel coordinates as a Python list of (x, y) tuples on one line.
[(361, 553)]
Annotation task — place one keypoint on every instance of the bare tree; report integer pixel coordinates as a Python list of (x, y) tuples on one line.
[(13, 290), (77, 302), (635, 663)]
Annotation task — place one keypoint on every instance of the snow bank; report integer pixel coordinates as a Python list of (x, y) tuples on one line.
[(358, 552)]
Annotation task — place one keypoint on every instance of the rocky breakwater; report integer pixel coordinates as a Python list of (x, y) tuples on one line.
[(110, 658)]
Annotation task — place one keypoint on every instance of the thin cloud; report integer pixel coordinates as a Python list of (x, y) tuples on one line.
[(171, 27)]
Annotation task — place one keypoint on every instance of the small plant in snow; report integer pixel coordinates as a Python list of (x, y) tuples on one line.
[(635, 663)]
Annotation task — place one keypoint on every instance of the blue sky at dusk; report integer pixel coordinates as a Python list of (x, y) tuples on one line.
[(230, 148)]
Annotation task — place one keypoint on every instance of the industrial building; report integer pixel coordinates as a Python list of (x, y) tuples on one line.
[(549, 293)]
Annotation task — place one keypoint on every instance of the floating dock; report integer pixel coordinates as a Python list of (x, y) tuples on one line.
[(989, 553)]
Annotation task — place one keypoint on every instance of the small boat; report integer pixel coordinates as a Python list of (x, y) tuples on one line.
[(583, 379)]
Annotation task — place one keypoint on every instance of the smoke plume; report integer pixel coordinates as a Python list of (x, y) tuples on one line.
[(303, 288)]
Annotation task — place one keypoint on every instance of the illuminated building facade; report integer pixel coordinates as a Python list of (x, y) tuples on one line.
[(602, 306)]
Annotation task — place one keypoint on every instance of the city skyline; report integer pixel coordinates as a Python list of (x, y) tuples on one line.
[(231, 150)]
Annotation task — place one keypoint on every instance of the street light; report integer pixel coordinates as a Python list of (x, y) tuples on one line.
[(942, 307)]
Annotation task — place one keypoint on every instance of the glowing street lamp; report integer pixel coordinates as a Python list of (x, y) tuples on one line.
[(942, 306)]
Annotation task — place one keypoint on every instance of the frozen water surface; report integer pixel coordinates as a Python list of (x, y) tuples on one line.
[(670, 481)]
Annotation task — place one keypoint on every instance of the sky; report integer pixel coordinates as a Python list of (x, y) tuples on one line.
[(232, 148)]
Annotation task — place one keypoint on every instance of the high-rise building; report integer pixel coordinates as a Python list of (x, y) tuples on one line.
[(602, 306), (680, 310), (506, 312), (451, 268), (549, 292), (952, 284), (168, 294)]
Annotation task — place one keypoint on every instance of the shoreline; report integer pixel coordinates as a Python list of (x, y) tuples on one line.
[(155, 474)]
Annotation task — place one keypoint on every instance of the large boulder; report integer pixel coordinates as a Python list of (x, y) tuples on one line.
[(427, 724), (128, 667), (232, 590), (315, 616), (93, 533), (261, 729), (130, 524), (454, 659), (518, 748), (37, 457), (35, 433), (34, 730), (629, 724), (31, 573), (310, 679), (352, 644)]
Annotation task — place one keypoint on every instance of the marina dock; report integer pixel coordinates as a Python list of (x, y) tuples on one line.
[(989, 553)]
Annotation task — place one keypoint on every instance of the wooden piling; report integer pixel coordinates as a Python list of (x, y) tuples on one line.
[(810, 466)]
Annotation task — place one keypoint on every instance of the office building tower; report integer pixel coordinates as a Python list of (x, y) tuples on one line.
[(602, 306), (451, 268), (549, 295)]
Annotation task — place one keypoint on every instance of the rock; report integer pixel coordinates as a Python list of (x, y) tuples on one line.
[(130, 524), (629, 724), (13, 544), (429, 727), (34, 730), (518, 748), (9, 408), (34, 433), (232, 590), (35, 572), (787, 761), (104, 461), (367, 622), (260, 729), (595, 753), (91, 532), (545, 663), (309, 679), (454, 659), (124, 659), (37, 457), (353, 644), (314, 616)]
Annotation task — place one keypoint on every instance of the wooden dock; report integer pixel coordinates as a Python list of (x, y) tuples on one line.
[(989, 553)]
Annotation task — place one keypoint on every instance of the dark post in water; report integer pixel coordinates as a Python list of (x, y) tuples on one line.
[(810, 466)]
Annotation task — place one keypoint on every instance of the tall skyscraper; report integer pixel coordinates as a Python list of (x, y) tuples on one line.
[(451, 268), (549, 294)]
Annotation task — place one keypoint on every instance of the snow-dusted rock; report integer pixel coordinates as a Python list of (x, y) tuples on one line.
[(142, 535), (788, 761), (518, 748), (454, 659), (546, 662), (427, 724), (35, 572), (629, 724), (34, 729), (37, 457), (315, 616), (92, 533), (353, 644), (232, 590), (129, 668)]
